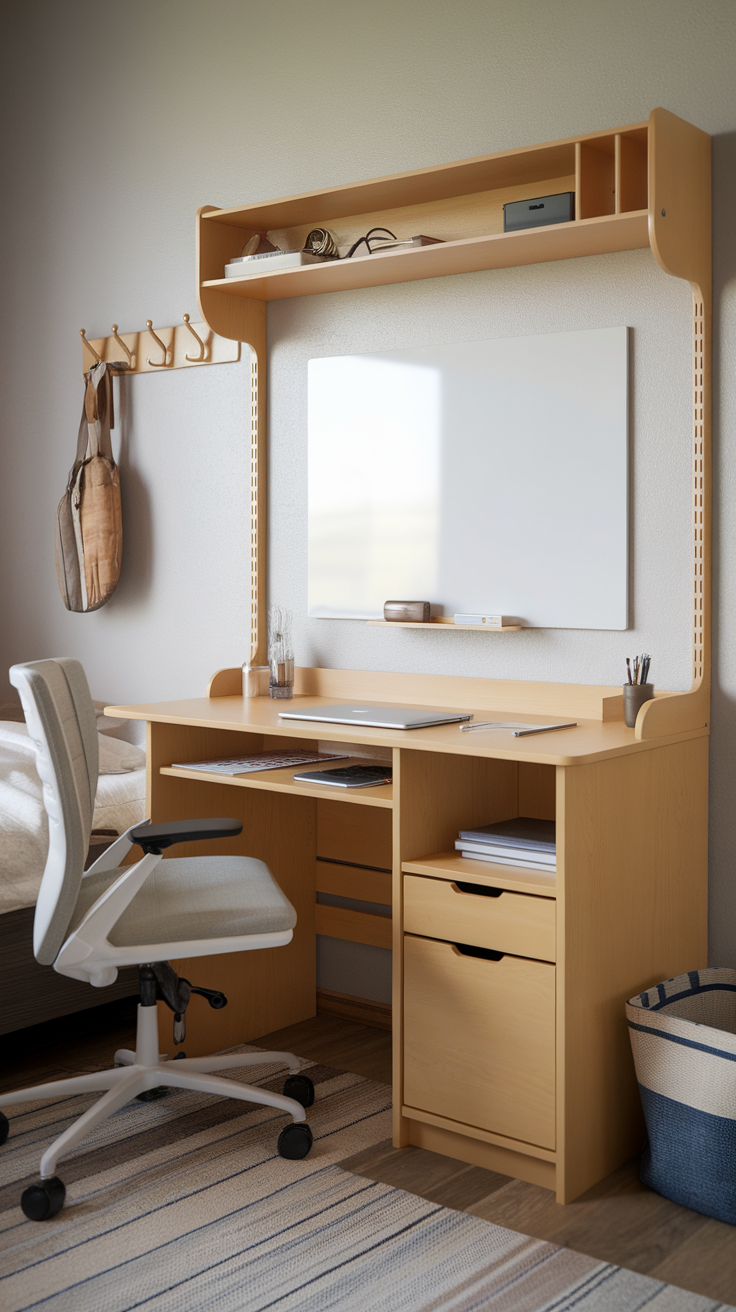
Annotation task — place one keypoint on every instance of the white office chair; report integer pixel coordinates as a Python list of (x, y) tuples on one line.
[(88, 924)]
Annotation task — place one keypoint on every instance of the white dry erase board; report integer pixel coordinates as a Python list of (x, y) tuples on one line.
[(483, 476)]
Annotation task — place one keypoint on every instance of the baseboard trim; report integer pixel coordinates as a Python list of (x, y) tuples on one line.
[(361, 1010)]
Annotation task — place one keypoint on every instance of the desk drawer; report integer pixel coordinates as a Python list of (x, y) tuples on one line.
[(479, 1043), (511, 922)]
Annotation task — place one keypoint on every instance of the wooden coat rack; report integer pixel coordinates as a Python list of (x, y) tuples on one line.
[(158, 350)]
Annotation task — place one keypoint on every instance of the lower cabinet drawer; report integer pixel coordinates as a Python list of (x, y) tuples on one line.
[(508, 922), (479, 1040)]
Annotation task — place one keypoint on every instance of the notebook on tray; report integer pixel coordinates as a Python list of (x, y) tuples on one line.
[(523, 841)]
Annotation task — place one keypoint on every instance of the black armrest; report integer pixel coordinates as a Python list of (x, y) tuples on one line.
[(154, 838)]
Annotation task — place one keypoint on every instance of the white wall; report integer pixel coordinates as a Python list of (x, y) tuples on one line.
[(122, 119)]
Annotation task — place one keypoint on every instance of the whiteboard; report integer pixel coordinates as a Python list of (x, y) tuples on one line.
[(483, 476)]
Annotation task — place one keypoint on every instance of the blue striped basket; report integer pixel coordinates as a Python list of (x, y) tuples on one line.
[(683, 1035)]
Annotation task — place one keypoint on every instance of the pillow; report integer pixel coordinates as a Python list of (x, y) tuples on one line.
[(106, 723), (118, 757), (129, 731)]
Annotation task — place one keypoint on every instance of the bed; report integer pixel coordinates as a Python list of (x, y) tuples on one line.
[(30, 993)]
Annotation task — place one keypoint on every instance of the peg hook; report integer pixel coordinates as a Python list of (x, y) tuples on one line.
[(157, 364), (90, 347), (195, 359), (122, 345)]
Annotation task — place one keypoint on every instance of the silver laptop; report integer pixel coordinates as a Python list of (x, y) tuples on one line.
[(377, 717)]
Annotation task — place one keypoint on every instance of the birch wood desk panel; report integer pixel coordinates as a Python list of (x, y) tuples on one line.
[(590, 741)]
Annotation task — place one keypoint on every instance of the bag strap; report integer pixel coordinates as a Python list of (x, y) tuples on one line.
[(97, 416), (82, 437), (105, 411)]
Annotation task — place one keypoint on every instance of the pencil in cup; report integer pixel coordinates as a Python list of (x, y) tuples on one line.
[(637, 690)]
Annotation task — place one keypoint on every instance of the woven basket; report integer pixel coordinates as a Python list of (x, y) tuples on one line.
[(683, 1036)]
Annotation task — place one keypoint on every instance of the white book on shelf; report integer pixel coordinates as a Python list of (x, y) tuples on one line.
[(522, 861), (514, 855), (252, 266)]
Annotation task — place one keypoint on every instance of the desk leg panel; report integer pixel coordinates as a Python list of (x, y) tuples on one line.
[(632, 911), (266, 989), (435, 795)]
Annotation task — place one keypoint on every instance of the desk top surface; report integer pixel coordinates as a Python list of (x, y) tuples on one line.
[(590, 740)]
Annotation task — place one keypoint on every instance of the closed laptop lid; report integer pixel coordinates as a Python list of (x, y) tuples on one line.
[(377, 717)]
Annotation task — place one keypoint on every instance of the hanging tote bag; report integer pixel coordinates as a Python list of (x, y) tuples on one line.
[(683, 1036), (89, 528)]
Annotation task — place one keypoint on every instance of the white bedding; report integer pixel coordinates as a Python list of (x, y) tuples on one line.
[(120, 802)]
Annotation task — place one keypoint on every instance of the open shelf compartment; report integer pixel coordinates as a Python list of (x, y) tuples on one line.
[(460, 203), (229, 745), (463, 793)]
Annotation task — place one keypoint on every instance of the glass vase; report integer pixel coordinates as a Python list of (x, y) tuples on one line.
[(280, 653)]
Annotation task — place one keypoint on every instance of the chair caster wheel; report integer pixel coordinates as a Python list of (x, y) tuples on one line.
[(43, 1200), (4, 1127), (295, 1141), (300, 1088)]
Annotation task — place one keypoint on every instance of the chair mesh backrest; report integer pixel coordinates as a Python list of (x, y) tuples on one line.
[(61, 721)]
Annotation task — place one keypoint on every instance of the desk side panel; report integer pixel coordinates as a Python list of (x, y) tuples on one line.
[(632, 911), (435, 795), (266, 989)]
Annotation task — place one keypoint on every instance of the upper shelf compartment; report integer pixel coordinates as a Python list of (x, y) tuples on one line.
[(496, 251), (645, 184), (460, 203)]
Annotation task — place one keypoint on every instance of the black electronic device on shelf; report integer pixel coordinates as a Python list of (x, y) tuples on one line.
[(539, 211), (349, 776)]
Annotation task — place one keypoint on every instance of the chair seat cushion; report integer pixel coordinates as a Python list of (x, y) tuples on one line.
[(195, 897)]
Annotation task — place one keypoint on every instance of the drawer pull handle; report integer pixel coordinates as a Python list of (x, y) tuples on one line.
[(480, 890), (485, 954)]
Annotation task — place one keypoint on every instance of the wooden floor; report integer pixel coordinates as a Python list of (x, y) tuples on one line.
[(618, 1221)]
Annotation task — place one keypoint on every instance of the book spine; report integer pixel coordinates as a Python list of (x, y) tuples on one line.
[(493, 849), (507, 861), (512, 845)]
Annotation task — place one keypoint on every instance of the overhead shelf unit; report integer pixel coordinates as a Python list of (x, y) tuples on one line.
[(646, 184), (461, 203)]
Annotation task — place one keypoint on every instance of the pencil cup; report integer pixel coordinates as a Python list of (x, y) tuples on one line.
[(635, 695)]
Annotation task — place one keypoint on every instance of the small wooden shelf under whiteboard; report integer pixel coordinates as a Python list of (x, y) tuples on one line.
[(441, 623)]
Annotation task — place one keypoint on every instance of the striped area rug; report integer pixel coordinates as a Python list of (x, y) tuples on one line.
[(183, 1205)]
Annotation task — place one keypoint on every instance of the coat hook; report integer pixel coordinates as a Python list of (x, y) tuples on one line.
[(121, 343), (157, 364), (195, 359), (90, 347)]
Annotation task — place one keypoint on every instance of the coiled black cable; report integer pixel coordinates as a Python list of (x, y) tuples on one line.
[(320, 241)]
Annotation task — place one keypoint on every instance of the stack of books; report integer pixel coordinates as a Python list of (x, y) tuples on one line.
[(520, 842)]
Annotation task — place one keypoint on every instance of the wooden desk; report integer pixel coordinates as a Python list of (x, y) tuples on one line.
[(521, 1064)]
